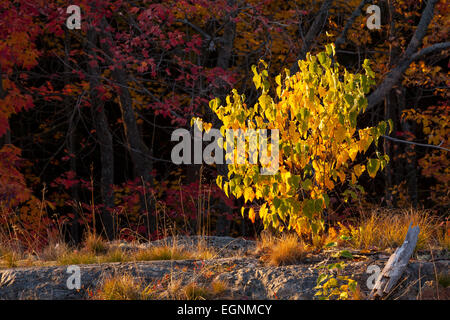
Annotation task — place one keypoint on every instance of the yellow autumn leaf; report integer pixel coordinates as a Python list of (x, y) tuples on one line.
[(249, 195), (251, 215), (353, 152), (263, 211), (359, 169), (207, 126), (354, 180)]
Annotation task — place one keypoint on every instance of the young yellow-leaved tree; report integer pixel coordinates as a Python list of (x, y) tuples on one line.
[(315, 111)]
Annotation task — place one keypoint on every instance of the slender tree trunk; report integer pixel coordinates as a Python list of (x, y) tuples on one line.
[(411, 54), (104, 138), (75, 226), (139, 152), (313, 32), (223, 61), (6, 139), (411, 158), (387, 150), (389, 107)]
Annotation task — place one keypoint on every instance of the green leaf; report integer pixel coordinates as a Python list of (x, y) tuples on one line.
[(353, 115), (294, 181), (323, 59), (276, 202), (322, 277), (346, 254), (331, 244), (307, 184), (308, 208), (372, 167), (349, 99), (318, 203), (326, 199)]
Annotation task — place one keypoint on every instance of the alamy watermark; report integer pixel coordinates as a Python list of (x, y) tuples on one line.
[(235, 143), (374, 21), (74, 281), (74, 20), (375, 271)]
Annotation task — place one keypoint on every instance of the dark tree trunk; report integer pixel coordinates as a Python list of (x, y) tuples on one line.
[(71, 137), (411, 158), (138, 150), (313, 32), (223, 61), (104, 138)]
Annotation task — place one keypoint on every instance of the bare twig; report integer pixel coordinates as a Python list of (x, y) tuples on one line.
[(418, 144)]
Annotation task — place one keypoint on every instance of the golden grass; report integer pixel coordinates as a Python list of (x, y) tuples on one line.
[(95, 250), (174, 252), (12, 256), (11, 259), (385, 228), (202, 251), (128, 287), (284, 250), (192, 291), (161, 253), (53, 251), (378, 229), (115, 255), (195, 292), (218, 287), (122, 287), (77, 257), (95, 244)]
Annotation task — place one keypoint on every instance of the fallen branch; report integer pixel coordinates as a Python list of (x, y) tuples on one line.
[(396, 265)]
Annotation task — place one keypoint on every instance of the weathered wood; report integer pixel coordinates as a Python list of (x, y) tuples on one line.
[(396, 264)]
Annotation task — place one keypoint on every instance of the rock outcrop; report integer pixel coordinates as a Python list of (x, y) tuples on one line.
[(237, 264)]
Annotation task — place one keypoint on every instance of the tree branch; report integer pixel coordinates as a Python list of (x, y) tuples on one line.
[(356, 13), (409, 56), (418, 144), (313, 31)]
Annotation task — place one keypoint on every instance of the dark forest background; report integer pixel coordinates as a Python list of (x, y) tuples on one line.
[(86, 115)]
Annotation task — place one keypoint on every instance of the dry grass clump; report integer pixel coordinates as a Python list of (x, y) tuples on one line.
[(219, 288), (194, 291), (95, 244), (129, 287), (202, 251), (444, 234), (284, 250), (161, 253), (122, 287), (95, 250), (176, 290), (174, 252), (115, 255), (53, 251), (10, 259), (12, 256), (385, 228), (77, 257)]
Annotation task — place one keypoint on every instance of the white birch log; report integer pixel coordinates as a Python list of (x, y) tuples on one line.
[(396, 264)]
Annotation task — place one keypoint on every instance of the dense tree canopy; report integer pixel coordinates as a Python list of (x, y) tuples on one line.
[(86, 114)]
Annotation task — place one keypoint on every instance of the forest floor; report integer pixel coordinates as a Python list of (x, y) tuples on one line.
[(216, 268)]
